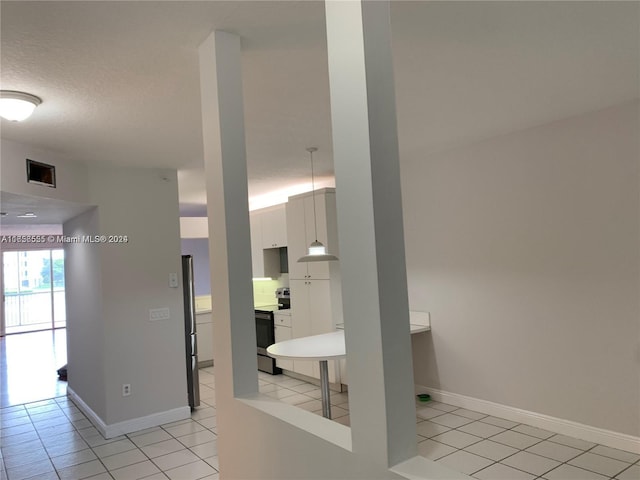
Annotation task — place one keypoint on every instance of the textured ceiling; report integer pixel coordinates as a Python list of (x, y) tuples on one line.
[(51, 211), (120, 82)]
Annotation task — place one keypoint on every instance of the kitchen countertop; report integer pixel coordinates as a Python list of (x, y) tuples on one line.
[(326, 346), (271, 308), (413, 328)]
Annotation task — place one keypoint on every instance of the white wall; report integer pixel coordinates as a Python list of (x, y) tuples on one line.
[(139, 203), (194, 227), (199, 248), (85, 328), (525, 249), (71, 177), (125, 281), (110, 288)]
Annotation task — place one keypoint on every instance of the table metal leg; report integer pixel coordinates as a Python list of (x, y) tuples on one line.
[(324, 389)]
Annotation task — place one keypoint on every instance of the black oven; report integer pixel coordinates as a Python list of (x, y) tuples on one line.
[(265, 336)]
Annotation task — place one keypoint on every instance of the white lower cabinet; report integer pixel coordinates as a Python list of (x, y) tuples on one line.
[(283, 333), (204, 327), (311, 314), (282, 327)]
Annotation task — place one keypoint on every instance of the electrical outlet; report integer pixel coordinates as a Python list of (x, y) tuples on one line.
[(126, 389)]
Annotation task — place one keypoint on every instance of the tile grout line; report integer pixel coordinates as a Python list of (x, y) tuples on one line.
[(189, 448), (55, 470), (89, 447), (77, 430), (566, 462), (161, 428), (485, 438), (637, 462), (470, 420), (519, 450)]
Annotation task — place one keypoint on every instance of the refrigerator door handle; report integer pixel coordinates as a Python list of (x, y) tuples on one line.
[(190, 336), (194, 344), (196, 381)]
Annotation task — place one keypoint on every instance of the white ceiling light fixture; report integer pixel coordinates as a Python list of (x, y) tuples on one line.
[(317, 251), (27, 215), (17, 106)]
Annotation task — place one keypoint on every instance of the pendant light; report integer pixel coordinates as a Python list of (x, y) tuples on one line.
[(317, 251)]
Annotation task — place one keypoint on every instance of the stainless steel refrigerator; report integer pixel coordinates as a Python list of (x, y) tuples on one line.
[(191, 336)]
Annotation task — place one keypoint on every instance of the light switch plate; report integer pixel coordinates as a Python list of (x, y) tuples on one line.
[(156, 314), (173, 280)]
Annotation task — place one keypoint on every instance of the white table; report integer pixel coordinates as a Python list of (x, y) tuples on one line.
[(324, 347)]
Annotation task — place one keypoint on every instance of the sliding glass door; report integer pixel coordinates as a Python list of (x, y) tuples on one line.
[(33, 290)]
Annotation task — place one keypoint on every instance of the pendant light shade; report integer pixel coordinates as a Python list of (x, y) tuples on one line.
[(317, 251), (17, 106)]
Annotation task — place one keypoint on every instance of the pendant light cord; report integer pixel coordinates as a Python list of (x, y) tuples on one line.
[(313, 190)]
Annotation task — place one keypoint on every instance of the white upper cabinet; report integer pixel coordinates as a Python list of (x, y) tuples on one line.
[(257, 255), (274, 227), (268, 233), (296, 238)]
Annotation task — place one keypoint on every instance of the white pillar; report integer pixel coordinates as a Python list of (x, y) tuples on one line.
[(228, 212), (372, 261)]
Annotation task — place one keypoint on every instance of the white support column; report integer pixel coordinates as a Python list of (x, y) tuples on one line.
[(372, 261), (228, 211)]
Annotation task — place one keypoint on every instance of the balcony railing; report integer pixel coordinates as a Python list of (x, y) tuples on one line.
[(32, 310)]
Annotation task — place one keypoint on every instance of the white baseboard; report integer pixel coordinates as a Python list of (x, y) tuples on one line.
[(128, 426), (608, 438)]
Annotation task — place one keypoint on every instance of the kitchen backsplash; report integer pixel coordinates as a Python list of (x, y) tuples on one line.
[(203, 303), (264, 291)]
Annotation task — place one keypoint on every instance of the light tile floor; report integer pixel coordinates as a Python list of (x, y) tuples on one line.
[(484, 447), (52, 439)]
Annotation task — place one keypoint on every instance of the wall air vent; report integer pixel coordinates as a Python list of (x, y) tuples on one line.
[(41, 173)]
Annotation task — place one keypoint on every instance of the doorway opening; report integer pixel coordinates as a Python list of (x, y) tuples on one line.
[(33, 291)]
